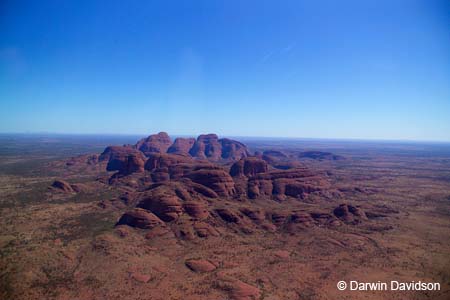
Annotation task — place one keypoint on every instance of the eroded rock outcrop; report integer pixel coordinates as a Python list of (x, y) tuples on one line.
[(62, 185), (200, 265), (239, 290), (178, 189), (233, 150), (181, 146), (216, 179), (296, 183), (164, 160), (249, 166), (140, 218), (155, 143), (209, 146), (124, 159), (196, 209), (349, 213), (163, 202)]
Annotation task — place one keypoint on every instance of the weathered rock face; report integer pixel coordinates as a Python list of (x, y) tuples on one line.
[(63, 186), (233, 150), (296, 189), (124, 159), (140, 218), (155, 143), (200, 265), (163, 160), (259, 187), (162, 153), (181, 146), (228, 215), (134, 164), (111, 152), (163, 202), (196, 209), (202, 190), (204, 230), (255, 214), (216, 179), (249, 166), (324, 218), (349, 213), (207, 146), (239, 290), (295, 183), (302, 218), (279, 218)]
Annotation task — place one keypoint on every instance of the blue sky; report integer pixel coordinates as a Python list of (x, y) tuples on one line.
[(326, 69)]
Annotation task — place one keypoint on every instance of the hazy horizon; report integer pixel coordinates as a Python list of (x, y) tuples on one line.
[(369, 70), (175, 135)]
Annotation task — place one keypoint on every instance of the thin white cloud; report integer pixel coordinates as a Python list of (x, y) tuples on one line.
[(279, 51), (287, 49), (267, 56)]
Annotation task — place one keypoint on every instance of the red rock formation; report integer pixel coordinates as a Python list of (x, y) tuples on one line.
[(249, 166), (298, 189), (228, 215), (323, 218), (295, 183), (233, 150), (269, 159), (124, 159), (216, 179), (196, 209), (255, 214), (143, 278), (158, 143), (204, 230), (111, 151), (63, 186), (200, 265), (207, 146), (140, 218), (163, 202), (349, 213), (160, 175), (164, 160), (157, 232), (302, 218), (282, 254), (80, 188), (279, 218), (201, 189), (134, 164), (239, 290), (259, 187), (181, 146)]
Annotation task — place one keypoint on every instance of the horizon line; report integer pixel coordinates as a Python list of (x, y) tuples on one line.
[(236, 136)]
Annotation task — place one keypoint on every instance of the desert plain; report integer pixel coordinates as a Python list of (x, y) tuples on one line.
[(161, 217)]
